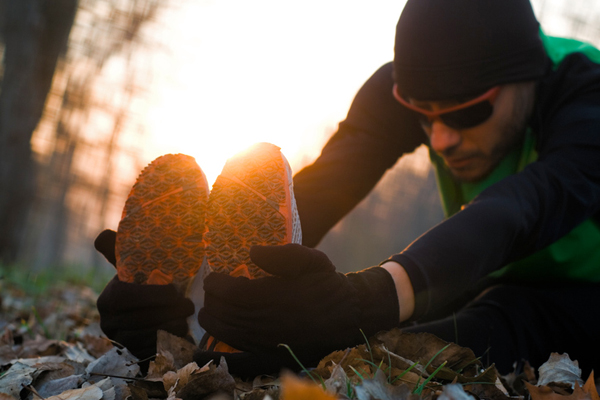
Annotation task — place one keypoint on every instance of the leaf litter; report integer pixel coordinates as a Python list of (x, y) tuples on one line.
[(56, 351)]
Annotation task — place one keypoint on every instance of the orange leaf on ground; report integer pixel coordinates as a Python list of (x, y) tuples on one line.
[(546, 393), (590, 387), (293, 388)]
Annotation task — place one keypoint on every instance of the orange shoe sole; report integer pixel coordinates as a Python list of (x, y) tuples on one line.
[(251, 203), (159, 239)]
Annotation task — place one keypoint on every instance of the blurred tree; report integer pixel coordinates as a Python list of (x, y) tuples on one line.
[(68, 79), (34, 34)]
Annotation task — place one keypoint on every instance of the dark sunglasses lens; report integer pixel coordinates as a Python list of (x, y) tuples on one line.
[(468, 117)]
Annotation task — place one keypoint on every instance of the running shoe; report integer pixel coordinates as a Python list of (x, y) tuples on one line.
[(251, 203), (159, 239)]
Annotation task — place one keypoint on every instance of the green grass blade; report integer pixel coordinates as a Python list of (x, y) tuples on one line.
[(368, 345), (310, 375), (419, 389), (405, 372)]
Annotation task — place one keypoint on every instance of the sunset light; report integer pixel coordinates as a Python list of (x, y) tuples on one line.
[(236, 72)]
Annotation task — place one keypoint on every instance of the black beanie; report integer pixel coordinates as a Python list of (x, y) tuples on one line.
[(447, 49)]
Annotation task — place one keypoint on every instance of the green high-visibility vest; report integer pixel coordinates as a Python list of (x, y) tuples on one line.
[(576, 256)]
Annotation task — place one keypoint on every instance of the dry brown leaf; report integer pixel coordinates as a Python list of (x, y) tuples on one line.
[(408, 378), (293, 388), (546, 393), (346, 359), (89, 393), (7, 353), (181, 350), (97, 346), (181, 378), (4, 396), (40, 347), (590, 387), (204, 383), (423, 347), (160, 366), (137, 393), (338, 382)]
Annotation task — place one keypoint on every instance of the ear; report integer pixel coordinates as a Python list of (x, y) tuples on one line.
[(105, 244)]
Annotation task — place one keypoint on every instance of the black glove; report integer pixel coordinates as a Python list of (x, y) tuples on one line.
[(105, 244), (131, 314), (306, 304)]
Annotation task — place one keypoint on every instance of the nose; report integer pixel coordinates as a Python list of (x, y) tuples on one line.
[(442, 138)]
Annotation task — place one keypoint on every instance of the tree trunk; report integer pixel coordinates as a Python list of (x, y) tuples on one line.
[(35, 35)]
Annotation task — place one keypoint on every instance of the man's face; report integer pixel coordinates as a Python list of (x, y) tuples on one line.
[(471, 154)]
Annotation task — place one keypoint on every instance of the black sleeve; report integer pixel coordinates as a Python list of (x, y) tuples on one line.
[(526, 211), (376, 132)]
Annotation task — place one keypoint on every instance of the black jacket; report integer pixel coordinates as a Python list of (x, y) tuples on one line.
[(510, 220)]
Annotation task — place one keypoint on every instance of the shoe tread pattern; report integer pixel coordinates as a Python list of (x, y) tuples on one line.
[(162, 223), (243, 209)]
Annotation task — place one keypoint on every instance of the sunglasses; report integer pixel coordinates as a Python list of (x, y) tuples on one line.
[(462, 116)]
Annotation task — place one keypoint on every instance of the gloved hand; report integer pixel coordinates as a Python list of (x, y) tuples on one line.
[(105, 244), (306, 304), (131, 314)]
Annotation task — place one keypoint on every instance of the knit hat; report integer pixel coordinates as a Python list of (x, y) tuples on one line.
[(446, 49)]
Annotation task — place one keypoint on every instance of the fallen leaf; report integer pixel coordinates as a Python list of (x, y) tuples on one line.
[(160, 366), (181, 350), (353, 358), (96, 346), (151, 389), (338, 382), (454, 392), (560, 369), (118, 362), (203, 383), (293, 388), (590, 387), (378, 388), (7, 353), (88, 393), (180, 378), (15, 378), (58, 386), (546, 393), (4, 396), (423, 347), (138, 393), (78, 353)]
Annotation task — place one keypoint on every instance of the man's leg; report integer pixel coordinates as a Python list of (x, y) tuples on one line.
[(509, 323)]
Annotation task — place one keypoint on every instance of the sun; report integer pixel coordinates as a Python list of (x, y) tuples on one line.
[(240, 72)]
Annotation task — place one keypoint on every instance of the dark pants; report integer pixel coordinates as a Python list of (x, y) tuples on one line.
[(510, 323)]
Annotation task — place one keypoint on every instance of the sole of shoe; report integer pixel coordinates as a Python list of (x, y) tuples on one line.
[(159, 239), (251, 203)]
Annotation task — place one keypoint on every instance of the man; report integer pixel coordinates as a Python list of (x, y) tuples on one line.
[(512, 121)]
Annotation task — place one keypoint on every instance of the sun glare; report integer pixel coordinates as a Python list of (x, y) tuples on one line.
[(240, 72)]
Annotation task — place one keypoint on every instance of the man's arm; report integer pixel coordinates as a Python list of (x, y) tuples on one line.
[(404, 289), (376, 132), (524, 212)]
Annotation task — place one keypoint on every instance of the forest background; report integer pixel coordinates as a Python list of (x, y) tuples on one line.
[(76, 125)]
